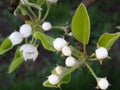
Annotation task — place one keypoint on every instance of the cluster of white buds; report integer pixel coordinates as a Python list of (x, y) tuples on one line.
[(29, 52), (54, 79), (101, 53), (52, 1), (60, 44), (24, 32), (46, 26), (102, 83)]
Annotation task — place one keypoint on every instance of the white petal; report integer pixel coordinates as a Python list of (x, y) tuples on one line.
[(53, 79), (15, 38), (46, 26), (58, 43), (101, 53), (26, 30), (66, 51), (70, 61)]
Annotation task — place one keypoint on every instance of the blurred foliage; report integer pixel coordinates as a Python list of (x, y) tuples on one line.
[(104, 16)]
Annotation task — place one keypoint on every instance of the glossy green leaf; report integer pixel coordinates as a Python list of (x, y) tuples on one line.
[(5, 46), (17, 61), (107, 40), (81, 25), (46, 40)]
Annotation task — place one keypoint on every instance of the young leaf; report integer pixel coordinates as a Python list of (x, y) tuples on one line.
[(81, 25), (46, 40), (18, 59), (66, 79), (5, 46), (107, 40), (47, 84)]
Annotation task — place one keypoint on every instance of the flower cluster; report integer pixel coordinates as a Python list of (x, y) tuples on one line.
[(61, 45), (29, 51)]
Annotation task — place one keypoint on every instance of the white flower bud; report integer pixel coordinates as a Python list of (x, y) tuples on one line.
[(103, 83), (46, 26), (66, 51), (58, 70), (58, 43), (52, 1), (101, 53), (26, 30), (70, 61), (29, 52), (70, 34), (53, 79), (15, 38)]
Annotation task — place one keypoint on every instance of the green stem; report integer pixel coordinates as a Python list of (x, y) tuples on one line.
[(32, 12), (26, 40), (70, 70), (92, 59), (39, 14), (84, 49), (90, 69), (46, 14)]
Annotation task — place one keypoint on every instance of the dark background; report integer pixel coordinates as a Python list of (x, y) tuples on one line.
[(104, 16)]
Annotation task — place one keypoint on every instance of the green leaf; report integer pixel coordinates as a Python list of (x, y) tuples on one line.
[(107, 40), (81, 25), (40, 2), (18, 59), (46, 40), (66, 79), (47, 84), (5, 46)]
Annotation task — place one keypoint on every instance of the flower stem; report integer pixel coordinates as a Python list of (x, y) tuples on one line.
[(92, 59), (46, 14), (90, 69)]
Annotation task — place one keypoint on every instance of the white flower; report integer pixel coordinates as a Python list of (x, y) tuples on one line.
[(52, 1), (15, 38), (53, 79), (26, 30), (66, 51), (29, 52), (70, 61), (58, 70), (59, 43), (103, 83), (46, 26), (101, 53)]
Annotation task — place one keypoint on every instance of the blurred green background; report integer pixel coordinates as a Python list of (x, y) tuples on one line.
[(104, 16)]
